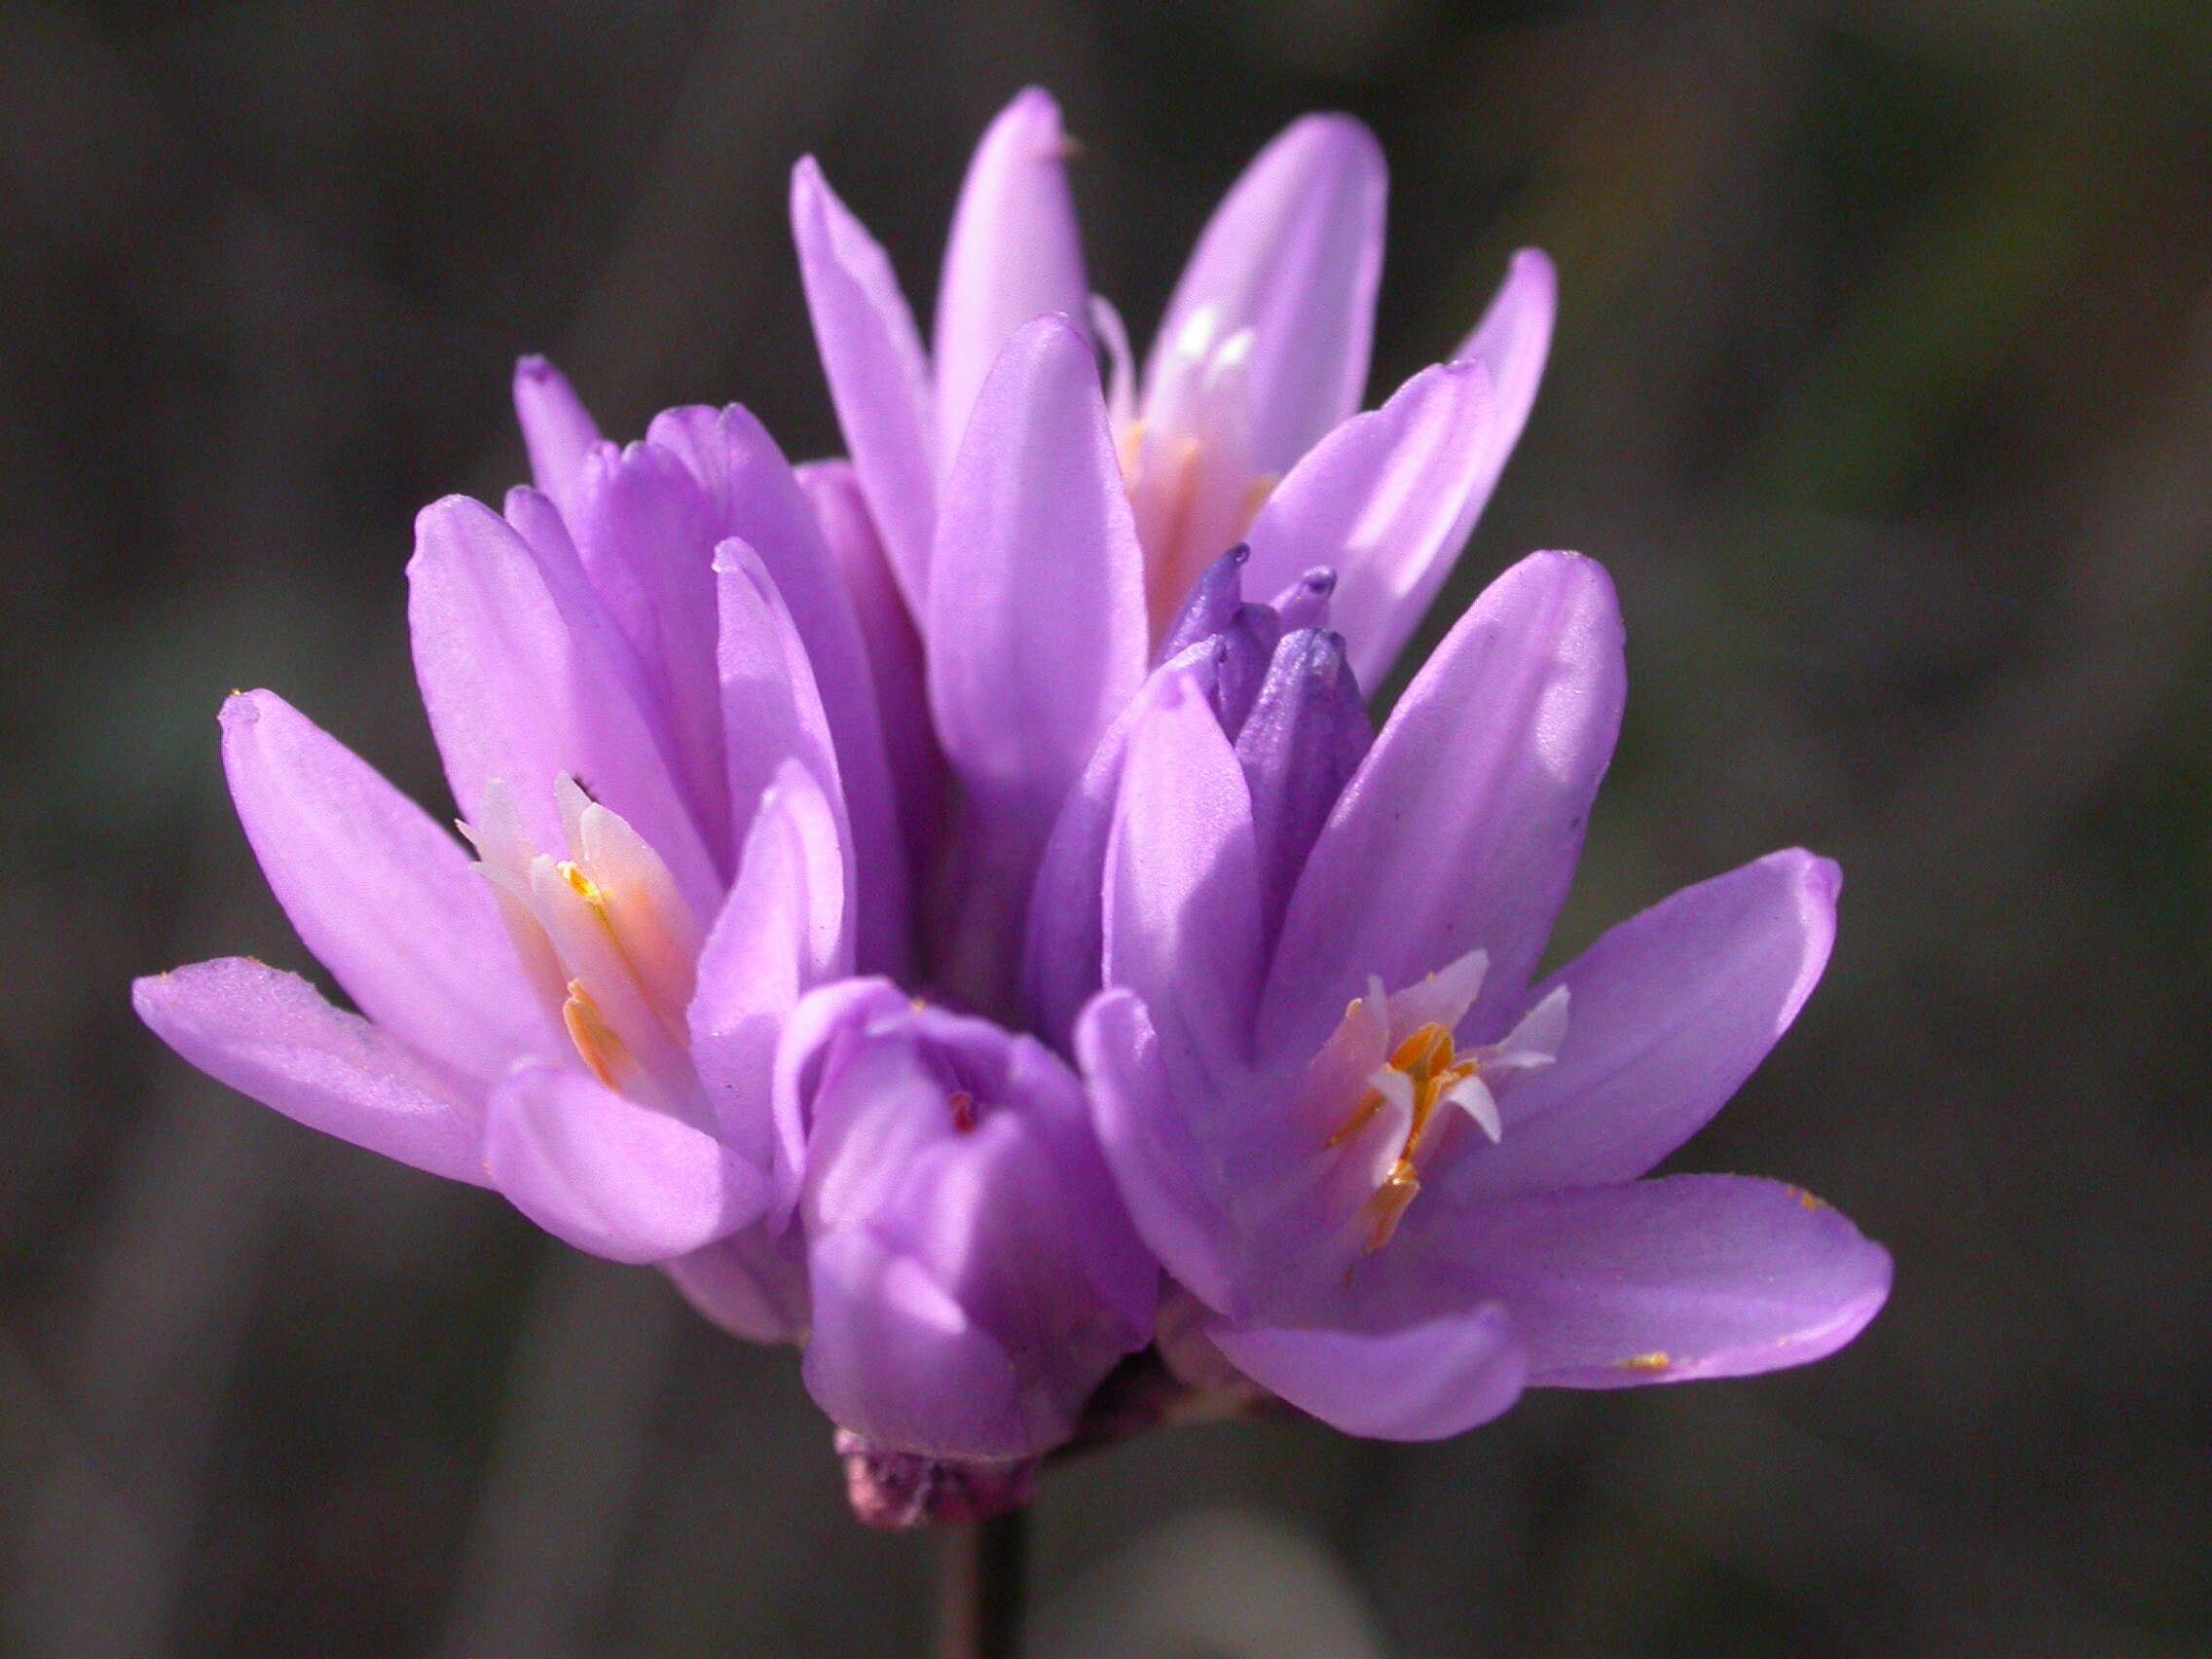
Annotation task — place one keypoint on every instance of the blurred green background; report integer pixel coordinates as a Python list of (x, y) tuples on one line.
[(1884, 386)]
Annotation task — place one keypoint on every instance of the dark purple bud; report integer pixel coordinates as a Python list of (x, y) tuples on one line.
[(1306, 735), (1304, 603), (1213, 602), (1247, 645)]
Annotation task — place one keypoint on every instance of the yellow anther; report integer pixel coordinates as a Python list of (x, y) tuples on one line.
[(1656, 1360), (1390, 1202), (1131, 451), (1429, 1062), (596, 1042), (1806, 1201), (581, 884)]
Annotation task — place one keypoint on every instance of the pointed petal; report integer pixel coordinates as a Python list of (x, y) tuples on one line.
[(1181, 893), (1244, 652), (1387, 500), (893, 1356), (1461, 830), (381, 896), (1158, 1163), (1666, 1015), (760, 502), (522, 676), (1036, 606), (645, 539), (1305, 736), (271, 1036), (1066, 940), (1514, 338), (1014, 254), (1294, 253), (1666, 1280), (781, 932), (1036, 620), (753, 1284), (772, 712), (894, 648), (610, 1176), (879, 377), (1211, 605), (813, 1029), (539, 521), (556, 429), (1419, 1382)]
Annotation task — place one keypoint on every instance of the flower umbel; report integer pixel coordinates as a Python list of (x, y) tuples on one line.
[(950, 908)]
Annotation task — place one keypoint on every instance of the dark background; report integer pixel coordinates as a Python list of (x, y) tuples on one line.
[(1884, 386)]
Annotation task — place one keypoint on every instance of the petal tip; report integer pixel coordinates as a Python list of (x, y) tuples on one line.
[(810, 188), (1338, 129), (148, 992), (242, 709), (1533, 268), (1054, 332), (1825, 876), (442, 512), (1576, 574), (1817, 878), (1033, 107)]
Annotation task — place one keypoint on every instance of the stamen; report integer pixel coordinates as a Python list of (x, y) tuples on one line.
[(1423, 1070), (596, 1042), (1132, 452), (1390, 1202), (1428, 1070)]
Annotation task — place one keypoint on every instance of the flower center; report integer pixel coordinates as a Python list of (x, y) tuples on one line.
[(605, 936), (1426, 1070)]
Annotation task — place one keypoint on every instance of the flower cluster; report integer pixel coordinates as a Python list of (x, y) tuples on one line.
[(950, 906)]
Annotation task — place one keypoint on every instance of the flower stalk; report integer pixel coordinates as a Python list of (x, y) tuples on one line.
[(985, 1583)]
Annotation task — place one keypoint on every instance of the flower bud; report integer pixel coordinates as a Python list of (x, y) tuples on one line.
[(974, 1273)]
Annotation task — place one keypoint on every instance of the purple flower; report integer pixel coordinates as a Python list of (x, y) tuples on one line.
[(1401, 1179), (1053, 686), (1046, 533), (679, 827), (974, 1274), (606, 1014)]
